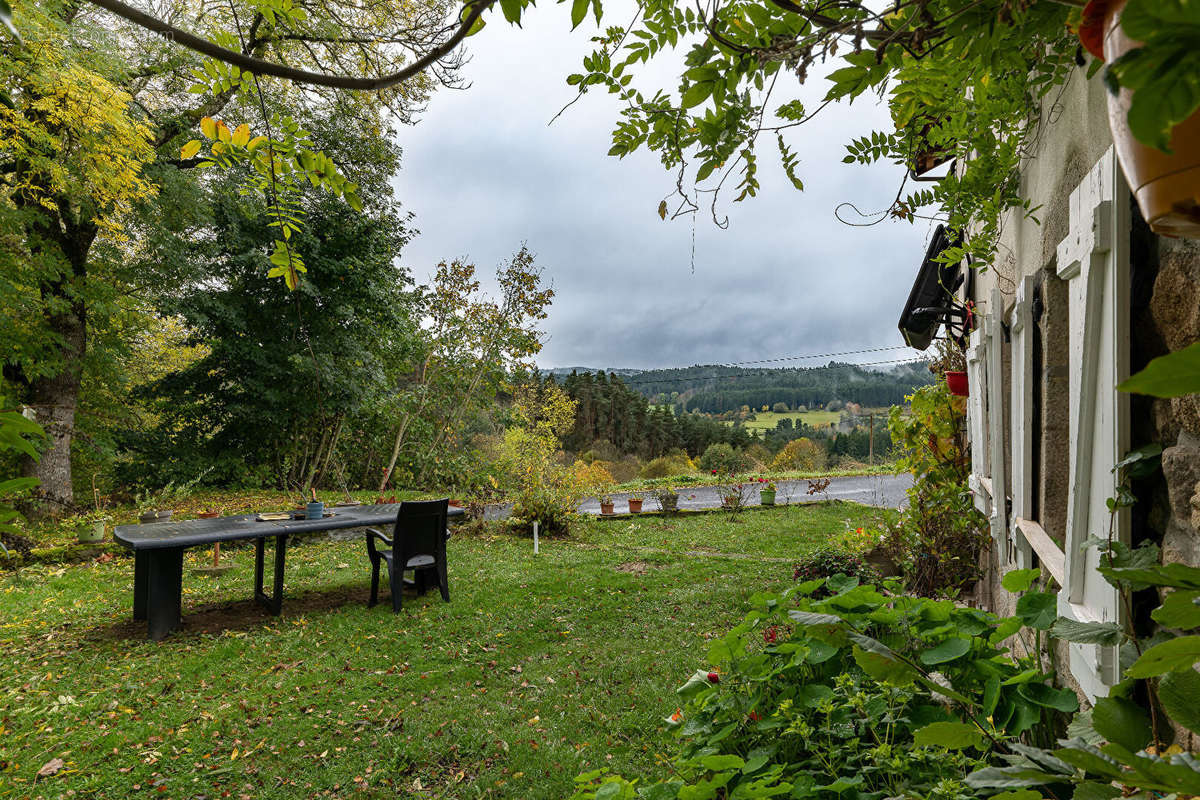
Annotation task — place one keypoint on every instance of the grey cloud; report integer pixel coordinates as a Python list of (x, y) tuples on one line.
[(483, 172)]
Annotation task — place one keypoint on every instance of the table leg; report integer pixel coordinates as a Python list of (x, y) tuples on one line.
[(141, 567), (164, 591), (258, 567), (274, 604)]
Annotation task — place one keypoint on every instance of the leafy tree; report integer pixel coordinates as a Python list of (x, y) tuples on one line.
[(88, 105), (724, 459), (283, 375), (470, 349), (803, 454), (544, 490)]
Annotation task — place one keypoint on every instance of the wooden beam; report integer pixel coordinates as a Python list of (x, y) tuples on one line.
[(1048, 551)]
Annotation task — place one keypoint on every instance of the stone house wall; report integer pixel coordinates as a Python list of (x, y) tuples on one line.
[(1164, 316)]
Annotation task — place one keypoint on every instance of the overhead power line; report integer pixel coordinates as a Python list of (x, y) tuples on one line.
[(692, 378), (815, 355)]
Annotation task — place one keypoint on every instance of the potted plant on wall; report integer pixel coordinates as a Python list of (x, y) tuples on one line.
[(635, 503), (152, 505), (668, 499), (90, 527), (766, 492), (1157, 137), (606, 504)]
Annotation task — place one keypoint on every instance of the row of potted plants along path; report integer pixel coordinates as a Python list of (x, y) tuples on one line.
[(886, 491)]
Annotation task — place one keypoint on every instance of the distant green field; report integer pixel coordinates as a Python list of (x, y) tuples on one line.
[(767, 420)]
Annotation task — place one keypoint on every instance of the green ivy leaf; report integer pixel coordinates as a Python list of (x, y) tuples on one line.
[(1092, 790), (1050, 697), (1171, 655), (1009, 778), (1018, 794), (1019, 580), (1172, 375), (1175, 575), (1038, 609), (946, 651), (1121, 721), (950, 735), (1180, 609), (722, 762), (884, 667), (1178, 692)]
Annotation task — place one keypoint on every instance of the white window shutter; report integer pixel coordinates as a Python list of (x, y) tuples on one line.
[(977, 420), (1022, 418), (995, 422), (1094, 259)]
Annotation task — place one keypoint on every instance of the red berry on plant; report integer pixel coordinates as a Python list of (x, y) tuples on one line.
[(714, 677)]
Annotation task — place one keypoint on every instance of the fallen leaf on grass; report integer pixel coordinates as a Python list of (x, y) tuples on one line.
[(51, 767)]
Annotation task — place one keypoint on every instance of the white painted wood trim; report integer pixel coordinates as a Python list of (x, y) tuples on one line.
[(995, 421), (1094, 258), (976, 419), (1048, 551), (1022, 417), (1083, 425)]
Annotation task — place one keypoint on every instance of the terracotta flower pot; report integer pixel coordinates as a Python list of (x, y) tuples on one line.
[(635, 506), (957, 383), (1167, 186), (606, 508)]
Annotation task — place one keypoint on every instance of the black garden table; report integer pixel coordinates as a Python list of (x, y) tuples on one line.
[(158, 554)]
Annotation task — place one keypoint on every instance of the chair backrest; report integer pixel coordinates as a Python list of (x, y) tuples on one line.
[(421, 529)]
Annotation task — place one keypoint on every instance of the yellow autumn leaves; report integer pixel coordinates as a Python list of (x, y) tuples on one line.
[(220, 134)]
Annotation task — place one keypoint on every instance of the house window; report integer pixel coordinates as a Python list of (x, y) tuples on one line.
[(1093, 262)]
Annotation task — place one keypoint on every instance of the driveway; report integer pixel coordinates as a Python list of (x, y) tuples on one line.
[(884, 491)]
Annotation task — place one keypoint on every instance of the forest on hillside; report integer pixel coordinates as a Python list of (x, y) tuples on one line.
[(713, 389), (631, 436)]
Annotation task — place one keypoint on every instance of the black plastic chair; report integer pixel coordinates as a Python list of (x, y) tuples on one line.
[(418, 543)]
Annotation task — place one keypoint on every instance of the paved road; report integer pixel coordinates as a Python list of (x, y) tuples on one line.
[(884, 491)]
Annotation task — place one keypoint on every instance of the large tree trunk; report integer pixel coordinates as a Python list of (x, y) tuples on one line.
[(53, 401), (54, 398)]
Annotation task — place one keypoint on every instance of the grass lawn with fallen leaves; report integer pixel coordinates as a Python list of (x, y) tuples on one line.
[(540, 667)]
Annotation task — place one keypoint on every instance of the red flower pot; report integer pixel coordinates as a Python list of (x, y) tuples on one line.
[(635, 506), (957, 383), (606, 508)]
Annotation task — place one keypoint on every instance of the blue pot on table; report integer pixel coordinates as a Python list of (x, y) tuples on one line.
[(316, 510)]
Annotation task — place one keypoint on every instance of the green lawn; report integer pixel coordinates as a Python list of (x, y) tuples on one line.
[(767, 420), (540, 667)]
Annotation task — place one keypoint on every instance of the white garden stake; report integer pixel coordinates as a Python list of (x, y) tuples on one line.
[(535, 538)]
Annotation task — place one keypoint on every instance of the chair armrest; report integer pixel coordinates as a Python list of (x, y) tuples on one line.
[(372, 535)]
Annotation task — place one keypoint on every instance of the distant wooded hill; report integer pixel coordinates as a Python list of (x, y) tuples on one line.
[(715, 389)]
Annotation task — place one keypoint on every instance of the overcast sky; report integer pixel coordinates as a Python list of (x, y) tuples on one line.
[(483, 172)]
